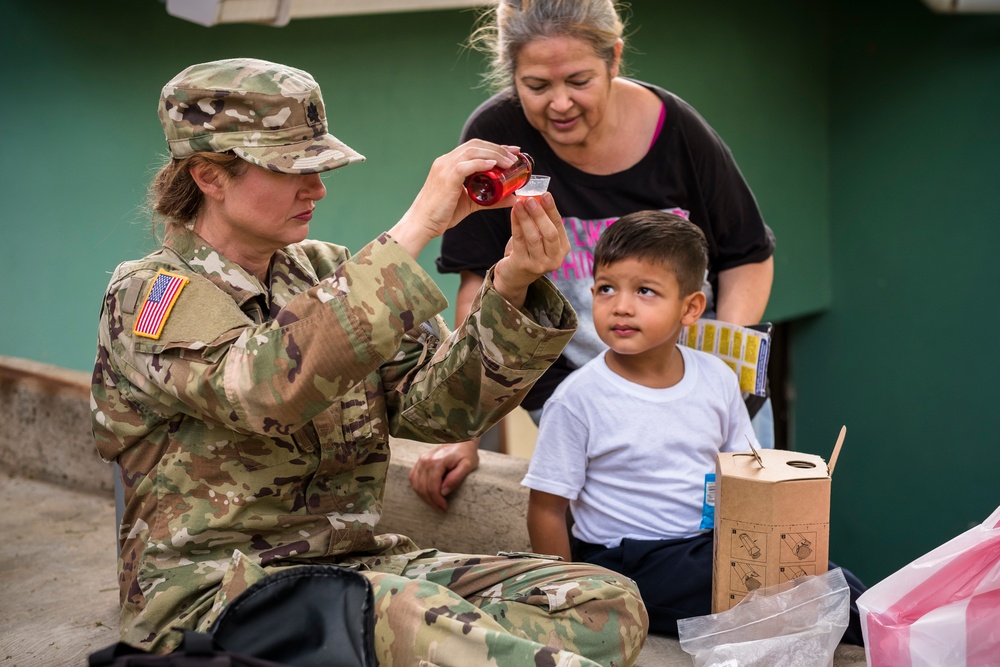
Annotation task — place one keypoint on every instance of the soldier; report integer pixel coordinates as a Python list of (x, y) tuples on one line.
[(247, 381)]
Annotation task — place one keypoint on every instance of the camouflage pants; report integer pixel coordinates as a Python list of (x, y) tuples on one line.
[(459, 610)]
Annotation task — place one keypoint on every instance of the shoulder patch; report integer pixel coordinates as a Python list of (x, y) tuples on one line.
[(160, 300)]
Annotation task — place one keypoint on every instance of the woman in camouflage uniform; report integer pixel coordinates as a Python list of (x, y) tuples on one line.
[(247, 382)]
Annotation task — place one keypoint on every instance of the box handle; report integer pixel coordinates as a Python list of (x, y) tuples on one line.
[(836, 449), (753, 449)]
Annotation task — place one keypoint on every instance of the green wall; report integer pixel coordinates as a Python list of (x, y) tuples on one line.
[(84, 141), (905, 356), (867, 130)]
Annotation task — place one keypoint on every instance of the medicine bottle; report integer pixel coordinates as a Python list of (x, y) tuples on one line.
[(489, 187)]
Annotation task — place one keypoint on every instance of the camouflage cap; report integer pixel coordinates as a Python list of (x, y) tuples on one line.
[(269, 114)]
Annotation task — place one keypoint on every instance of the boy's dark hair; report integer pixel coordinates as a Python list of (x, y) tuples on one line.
[(657, 237)]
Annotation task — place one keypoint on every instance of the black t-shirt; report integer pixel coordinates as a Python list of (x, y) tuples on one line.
[(689, 170)]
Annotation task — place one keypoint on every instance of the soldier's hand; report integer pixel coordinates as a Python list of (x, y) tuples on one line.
[(440, 471), (442, 201), (538, 245)]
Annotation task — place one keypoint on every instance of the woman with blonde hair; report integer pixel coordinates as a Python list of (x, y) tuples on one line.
[(611, 145)]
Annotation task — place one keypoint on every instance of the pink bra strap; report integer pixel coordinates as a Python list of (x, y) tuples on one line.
[(659, 124)]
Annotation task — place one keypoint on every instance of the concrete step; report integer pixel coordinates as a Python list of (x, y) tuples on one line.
[(58, 585), (60, 594)]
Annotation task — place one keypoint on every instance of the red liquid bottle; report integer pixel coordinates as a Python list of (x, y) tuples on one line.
[(489, 187)]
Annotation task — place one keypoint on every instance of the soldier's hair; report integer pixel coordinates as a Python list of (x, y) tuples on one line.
[(657, 237), (502, 31), (174, 198)]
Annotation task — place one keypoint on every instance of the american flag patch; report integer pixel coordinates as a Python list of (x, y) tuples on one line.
[(162, 295)]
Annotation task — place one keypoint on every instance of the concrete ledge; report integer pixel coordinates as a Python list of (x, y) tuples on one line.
[(45, 426), (57, 496), (486, 514)]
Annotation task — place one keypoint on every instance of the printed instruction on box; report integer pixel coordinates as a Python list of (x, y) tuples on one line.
[(753, 555)]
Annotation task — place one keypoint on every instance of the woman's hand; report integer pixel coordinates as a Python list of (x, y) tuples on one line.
[(442, 201), (537, 245), (440, 471)]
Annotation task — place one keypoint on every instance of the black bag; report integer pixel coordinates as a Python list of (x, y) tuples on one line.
[(196, 650), (309, 616)]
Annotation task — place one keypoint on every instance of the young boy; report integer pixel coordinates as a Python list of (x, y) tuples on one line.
[(626, 441)]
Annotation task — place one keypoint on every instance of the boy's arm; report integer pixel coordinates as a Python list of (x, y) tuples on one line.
[(547, 526)]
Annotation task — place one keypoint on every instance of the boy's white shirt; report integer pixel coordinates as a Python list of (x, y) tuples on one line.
[(632, 460)]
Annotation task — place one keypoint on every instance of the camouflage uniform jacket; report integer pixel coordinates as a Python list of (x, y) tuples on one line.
[(254, 432)]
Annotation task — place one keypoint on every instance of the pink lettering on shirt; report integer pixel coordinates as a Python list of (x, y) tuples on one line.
[(583, 236), (579, 263)]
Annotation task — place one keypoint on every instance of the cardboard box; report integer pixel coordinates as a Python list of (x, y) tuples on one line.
[(772, 520)]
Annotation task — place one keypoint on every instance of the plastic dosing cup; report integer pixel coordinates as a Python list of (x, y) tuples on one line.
[(536, 185)]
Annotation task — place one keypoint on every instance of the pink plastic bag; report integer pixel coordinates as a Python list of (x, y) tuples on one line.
[(941, 609)]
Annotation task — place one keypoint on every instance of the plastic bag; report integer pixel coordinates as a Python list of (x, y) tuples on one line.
[(941, 609), (795, 624)]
